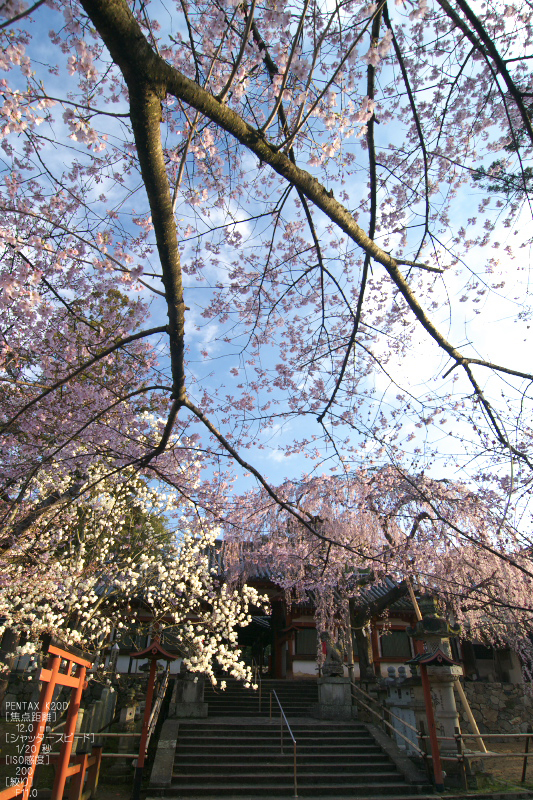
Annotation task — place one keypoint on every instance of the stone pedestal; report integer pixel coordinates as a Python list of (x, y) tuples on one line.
[(188, 697), (442, 680), (406, 702), (335, 699), (120, 770)]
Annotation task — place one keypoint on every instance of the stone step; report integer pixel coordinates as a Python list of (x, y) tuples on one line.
[(242, 692), (256, 788), (273, 779), (311, 697), (265, 700), (211, 739), (254, 698), (303, 725), (281, 691), (228, 756), (272, 745), (238, 761), (172, 794), (323, 740), (236, 709), (270, 771), (296, 698), (307, 691), (233, 711), (331, 749), (251, 696), (293, 691), (273, 732), (283, 683), (244, 695), (312, 723), (252, 709)]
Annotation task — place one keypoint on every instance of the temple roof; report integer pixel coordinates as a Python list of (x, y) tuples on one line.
[(264, 573)]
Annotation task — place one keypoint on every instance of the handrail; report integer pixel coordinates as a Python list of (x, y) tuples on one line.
[(477, 755), (462, 755), (158, 703), (283, 719), (389, 712), (384, 721), (459, 737), (485, 736)]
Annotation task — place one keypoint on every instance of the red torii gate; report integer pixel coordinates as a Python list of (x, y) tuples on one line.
[(52, 676)]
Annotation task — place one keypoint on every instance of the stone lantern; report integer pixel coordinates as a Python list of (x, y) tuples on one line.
[(432, 635)]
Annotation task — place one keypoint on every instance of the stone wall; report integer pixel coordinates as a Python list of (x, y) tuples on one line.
[(22, 689), (497, 707)]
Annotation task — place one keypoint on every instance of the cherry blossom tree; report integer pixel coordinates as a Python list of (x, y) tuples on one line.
[(231, 226), (447, 540)]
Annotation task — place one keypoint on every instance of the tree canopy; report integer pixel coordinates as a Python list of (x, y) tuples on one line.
[(290, 228), (378, 524)]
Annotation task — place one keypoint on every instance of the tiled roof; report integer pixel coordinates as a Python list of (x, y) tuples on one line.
[(369, 594), (261, 572)]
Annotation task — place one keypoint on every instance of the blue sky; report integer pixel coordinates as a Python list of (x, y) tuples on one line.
[(500, 333)]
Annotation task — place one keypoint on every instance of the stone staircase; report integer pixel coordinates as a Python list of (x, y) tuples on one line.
[(235, 752), (243, 759), (296, 697)]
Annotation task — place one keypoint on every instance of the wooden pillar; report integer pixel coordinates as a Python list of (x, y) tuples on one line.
[(277, 623), (374, 637), (68, 740), (469, 659), (290, 652), (144, 733), (365, 653), (38, 728), (77, 780), (432, 729)]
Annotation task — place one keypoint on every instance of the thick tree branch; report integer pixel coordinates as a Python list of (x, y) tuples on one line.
[(172, 416), (25, 13), (140, 65), (146, 119), (52, 501), (489, 47), (146, 90)]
